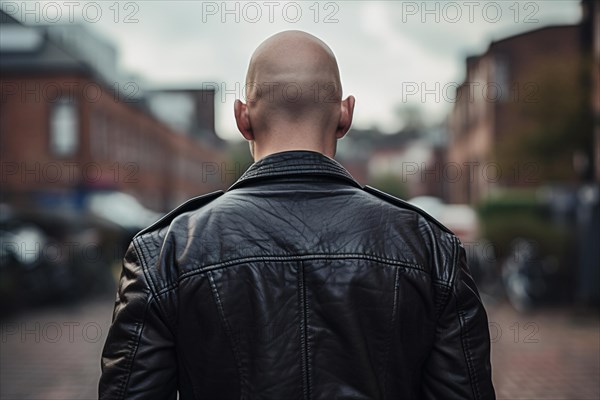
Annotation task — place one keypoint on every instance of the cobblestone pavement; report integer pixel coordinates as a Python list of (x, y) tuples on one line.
[(552, 354), (55, 353)]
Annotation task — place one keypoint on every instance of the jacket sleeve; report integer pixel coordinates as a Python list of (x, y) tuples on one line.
[(459, 364), (138, 360)]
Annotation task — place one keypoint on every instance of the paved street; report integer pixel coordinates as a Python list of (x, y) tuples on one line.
[(55, 353), (545, 355)]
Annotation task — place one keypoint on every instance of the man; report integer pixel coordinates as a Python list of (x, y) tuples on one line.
[(296, 283)]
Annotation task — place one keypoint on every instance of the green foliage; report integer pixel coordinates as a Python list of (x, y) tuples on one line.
[(390, 184), (554, 125), (517, 202), (519, 215)]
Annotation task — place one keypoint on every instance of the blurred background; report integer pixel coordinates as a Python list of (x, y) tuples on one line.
[(485, 114)]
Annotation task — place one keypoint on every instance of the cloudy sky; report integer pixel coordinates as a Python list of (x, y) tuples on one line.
[(385, 49)]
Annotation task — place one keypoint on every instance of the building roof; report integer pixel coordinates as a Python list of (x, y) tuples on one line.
[(472, 59), (73, 49), (54, 48), (531, 33)]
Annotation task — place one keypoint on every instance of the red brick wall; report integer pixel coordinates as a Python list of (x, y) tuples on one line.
[(121, 146), (477, 127)]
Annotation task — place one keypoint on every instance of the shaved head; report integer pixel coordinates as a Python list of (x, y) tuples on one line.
[(293, 92), (293, 69)]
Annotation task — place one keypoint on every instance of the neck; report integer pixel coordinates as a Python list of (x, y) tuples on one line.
[(276, 143), (259, 154)]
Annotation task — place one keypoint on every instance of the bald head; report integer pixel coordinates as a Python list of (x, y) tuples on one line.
[(293, 69), (293, 92)]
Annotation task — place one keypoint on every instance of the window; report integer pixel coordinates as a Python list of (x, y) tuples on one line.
[(502, 78), (64, 128), (99, 136)]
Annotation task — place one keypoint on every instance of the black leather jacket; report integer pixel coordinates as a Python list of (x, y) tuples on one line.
[(297, 283)]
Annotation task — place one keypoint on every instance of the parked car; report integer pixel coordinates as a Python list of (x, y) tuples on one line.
[(49, 256)]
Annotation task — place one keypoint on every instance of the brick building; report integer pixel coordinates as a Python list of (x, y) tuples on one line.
[(493, 105), (71, 125), (594, 16)]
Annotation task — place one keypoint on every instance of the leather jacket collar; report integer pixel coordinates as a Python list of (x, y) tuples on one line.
[(294, 163)]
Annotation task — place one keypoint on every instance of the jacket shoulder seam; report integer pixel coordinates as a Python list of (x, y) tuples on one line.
[(133, 344), (190, 205), (153, 286), (144, 265)]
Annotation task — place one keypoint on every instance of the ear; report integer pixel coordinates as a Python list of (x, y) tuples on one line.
[(346, 114), (242, 120)]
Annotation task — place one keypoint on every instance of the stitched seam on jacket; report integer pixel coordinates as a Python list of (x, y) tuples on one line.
[(463, 335), (392, 332), (449, 286), (295, 167), (454, 270), (467, 353), (270, 170), (145, 270), (228, 331), (281, 171), (157, 293), (306, 257), (308, 352), (343, 256), (443, 303), (293, 172), (153, 290), (303, 332), (135, 342)]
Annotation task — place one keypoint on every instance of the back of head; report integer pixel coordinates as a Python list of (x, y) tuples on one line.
[(294, 97), (293, 77)]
